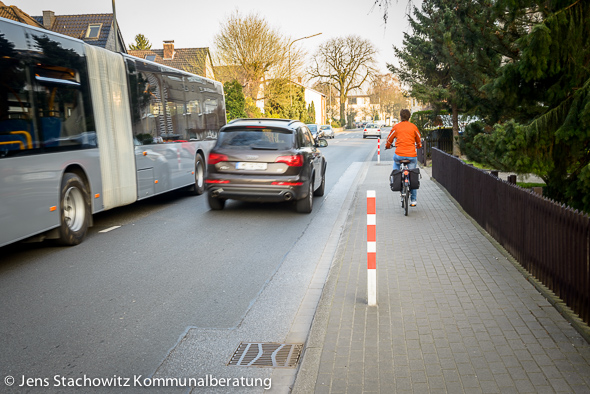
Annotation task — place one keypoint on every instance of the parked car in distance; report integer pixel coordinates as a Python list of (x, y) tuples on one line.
[(372, 130), (327, 131), (266, 160), (315, 129)]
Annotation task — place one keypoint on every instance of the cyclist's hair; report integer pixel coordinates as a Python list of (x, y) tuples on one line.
[(404, 114)]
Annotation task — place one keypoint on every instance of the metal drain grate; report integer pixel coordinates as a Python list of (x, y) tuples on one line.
[(278, 355)]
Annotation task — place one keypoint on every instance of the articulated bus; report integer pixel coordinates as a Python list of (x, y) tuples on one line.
[(83, 130)]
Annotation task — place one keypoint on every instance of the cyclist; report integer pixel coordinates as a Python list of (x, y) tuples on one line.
[(408, 140)]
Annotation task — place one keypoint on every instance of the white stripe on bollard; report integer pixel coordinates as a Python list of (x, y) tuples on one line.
[(372, 287), (371, 249)]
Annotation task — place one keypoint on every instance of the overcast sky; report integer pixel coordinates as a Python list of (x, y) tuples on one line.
[(193, 24)]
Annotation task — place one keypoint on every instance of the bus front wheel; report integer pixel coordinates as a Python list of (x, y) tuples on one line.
[(75, 210)]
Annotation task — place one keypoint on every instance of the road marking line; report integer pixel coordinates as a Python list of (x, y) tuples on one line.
[(106, 230)]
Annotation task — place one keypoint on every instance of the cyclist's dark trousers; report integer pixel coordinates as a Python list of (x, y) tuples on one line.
[(413, 164)]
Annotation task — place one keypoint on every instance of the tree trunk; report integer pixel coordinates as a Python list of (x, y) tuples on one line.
[(342, 111), (456, 149)]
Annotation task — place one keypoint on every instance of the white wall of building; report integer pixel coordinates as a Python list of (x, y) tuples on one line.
[(319, 103)]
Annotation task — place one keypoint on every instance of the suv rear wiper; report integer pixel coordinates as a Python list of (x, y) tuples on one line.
[(264, 148)]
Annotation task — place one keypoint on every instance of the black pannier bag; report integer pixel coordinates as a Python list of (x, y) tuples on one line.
[(395, 180), (415, 178)]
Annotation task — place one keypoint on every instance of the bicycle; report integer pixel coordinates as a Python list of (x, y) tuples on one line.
[(401, 181), (405, 192)]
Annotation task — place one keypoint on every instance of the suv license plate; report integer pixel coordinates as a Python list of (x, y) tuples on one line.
[(244, 165)]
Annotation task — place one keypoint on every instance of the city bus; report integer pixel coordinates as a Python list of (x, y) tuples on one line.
[(84, 130)]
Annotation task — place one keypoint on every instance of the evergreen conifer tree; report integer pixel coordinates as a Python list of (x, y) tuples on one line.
[(234, 100), (141, 43), (545, 84), (311, 113), (423, 64)]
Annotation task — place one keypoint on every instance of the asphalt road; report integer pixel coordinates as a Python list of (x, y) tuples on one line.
[(120, 302)]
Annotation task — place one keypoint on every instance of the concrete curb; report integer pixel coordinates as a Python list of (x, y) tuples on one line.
[(307, 373)]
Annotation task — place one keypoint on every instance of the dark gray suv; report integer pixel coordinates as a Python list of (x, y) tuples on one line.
[(266, 160)]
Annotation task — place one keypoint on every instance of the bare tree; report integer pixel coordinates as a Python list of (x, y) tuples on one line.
[(386, 91), (345, 63), (253, 52)]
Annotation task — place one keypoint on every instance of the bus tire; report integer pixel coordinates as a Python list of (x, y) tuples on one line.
[(200, 170), (74, 210)]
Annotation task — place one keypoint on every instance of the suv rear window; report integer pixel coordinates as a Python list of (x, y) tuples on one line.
[(255, 138)]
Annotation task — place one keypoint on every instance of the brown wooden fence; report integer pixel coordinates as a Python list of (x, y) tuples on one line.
[(425, 153), (549, 240)]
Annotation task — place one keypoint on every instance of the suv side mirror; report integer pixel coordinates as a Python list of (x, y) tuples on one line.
[(322, 142)]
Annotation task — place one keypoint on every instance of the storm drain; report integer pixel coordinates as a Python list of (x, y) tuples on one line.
[(278, 355)]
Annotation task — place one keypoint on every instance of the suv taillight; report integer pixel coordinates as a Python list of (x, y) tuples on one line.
[(215, 158), (291, 161)]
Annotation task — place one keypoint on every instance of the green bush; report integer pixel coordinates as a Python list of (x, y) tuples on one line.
[(469, 147)]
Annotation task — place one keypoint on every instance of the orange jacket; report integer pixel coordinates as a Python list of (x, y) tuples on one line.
[(407, 135)]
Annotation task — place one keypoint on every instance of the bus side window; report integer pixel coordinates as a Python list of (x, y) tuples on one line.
[(61, 108), (148, 116), (212, 123), (173, 87), (195, 117), (17, 132)]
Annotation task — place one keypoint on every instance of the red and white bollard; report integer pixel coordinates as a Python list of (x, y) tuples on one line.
[(371, 248), (378, 150)]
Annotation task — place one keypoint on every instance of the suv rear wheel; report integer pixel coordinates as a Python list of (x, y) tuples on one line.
[(216, 204), (305, 205), (321, 190)]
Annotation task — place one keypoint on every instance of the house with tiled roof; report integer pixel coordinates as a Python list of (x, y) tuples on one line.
[(14, 13), (94, 29), (194, 60)]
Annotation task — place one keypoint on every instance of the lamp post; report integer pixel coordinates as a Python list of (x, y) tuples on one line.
[(291, 43), (116, 26)]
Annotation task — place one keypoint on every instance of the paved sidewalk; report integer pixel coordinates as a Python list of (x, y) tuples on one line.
[(454, 315)]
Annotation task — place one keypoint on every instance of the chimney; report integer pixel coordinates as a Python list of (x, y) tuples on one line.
[(169, 50), (48, 19)]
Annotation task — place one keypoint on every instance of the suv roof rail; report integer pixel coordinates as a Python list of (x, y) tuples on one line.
[(289, 121)]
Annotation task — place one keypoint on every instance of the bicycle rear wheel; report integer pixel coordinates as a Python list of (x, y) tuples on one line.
[(406, 203)]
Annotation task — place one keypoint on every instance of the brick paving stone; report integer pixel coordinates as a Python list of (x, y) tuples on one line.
[(454, 314)]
